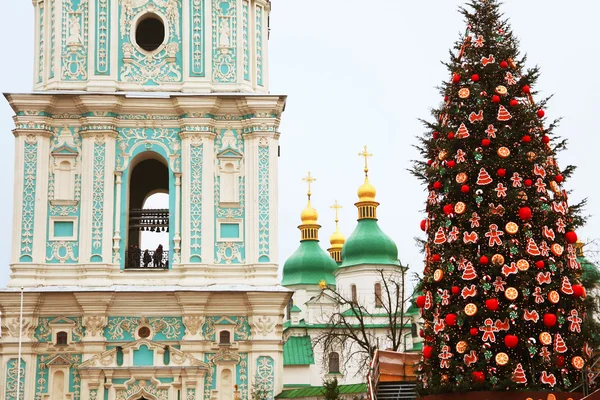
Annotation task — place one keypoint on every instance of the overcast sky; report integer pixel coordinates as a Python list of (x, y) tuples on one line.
[(360, 73)]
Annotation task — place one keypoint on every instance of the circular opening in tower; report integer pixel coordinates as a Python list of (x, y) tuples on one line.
[(150, 32)]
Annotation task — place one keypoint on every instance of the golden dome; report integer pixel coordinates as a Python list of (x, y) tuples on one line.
[(337, 239), (366, 192), (309, 215)]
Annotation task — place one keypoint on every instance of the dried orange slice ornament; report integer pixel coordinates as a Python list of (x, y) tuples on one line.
[(553, 297), (511, 293), (470, 309), (443, 154), (511, 228), (578, 362), (501, 90), (461, 177), (503, 152), (461, 346), (501, 359), (497, 259), (523, 265), (464, 93), (554, 187), (545, 338), (438, 275), (460, 207), (557, 249)]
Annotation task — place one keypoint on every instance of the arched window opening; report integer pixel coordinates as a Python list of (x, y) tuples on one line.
[(64, 182), (61, 339), (148, 232), (413, 330), (224, 337), (334, 363), (289, 309), (58, 385), (378, 302), (354, 294)]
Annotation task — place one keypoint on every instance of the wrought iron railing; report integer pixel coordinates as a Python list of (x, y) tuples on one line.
[(138, 259), (155, 220)]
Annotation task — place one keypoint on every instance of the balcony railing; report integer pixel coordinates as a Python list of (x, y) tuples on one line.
[(147, 259)]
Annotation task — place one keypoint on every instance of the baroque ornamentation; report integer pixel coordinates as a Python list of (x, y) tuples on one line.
[(196, 162), (193, 324), (241, 329), (191, 394), (102, 37), (170, 327), (52, 38), (74, 40), (197, 38), (242, 376), (265, 374), (142, 387), (229, 253), (264, 326), (27, 329), (156, 67), (210, 381), (93, 394), (62, 252), (94, 325), (130, 138), (245, 38), (224, 41), (98, 197), (12, 377), (28, 206), (45, 360), (263, 201), (259, 45), (41, 59), (43, 331)]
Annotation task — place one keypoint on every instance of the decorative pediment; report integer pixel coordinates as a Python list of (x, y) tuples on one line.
[(224, 321), (108, 358), (322, 298), (59, 360), (225, 355), (229, 153), (62, 321), (65, 151)]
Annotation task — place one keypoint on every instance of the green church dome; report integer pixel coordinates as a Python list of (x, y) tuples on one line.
[(309, 265), (369, 245)]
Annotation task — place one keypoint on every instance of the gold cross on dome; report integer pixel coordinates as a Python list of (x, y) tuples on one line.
[(337, 208), (309, 179), (366, 155)]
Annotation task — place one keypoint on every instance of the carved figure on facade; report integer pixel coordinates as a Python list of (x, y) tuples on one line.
[(224, 34), (224, 25), (75, 40), (193, 324), (94, 325), (74, 30), (27, 329), (264, 326)]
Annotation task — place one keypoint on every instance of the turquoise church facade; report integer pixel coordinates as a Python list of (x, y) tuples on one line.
[(133, 98)]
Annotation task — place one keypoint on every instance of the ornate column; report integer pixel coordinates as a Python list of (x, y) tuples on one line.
[(117, 234), (177, 234)]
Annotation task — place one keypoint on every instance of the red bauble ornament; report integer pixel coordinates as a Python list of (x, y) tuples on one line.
[(526, 89), (421, 333), (541, 113), (549, 320), (491, 304), (456, 78), (514, 103), (478, 376), (560, 361), (450, 135), (429, 162), (424, 225), (485, 142), (545, 139), (427, 352), (450, 319), (501, 172), (451, 164), (465, 188), (475, 78), (571, 237), (495, 99), (445, 98), (436, 135), (528, 182), (483, 260), (511, 341), (421, 301), (455, 290), (437, 185), (539, 264), (525, 213), (526, 139), (559, 178), (448, 209), (578, 290), (436, 258), (503, 65), (473, 332)]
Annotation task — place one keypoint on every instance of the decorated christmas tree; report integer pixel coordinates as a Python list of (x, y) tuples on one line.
[(500, 230)]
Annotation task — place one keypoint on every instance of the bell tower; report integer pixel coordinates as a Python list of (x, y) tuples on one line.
[(192, 46)]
